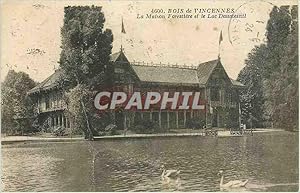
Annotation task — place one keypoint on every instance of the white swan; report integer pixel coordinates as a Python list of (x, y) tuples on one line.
[(169, 173), (231, 184)]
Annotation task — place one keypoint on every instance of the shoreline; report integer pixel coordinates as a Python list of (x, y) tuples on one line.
[(23, 139)]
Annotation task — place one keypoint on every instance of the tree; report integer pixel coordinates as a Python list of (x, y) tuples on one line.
[(271, 72), (281, 84), (85, 58), (17, 108), (86, 46), (251, 76), (285, 91)]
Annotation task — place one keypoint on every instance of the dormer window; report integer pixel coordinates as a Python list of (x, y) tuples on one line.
[(119, 70)]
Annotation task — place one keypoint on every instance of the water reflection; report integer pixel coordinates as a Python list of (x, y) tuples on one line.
[(269, 161), (46, 167)]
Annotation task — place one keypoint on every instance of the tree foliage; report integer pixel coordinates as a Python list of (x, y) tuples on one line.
[(85, 60), (252, 96), (271, 73), (16, 107), (86, 46)]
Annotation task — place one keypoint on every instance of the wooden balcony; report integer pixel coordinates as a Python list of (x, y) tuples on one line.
[(51, 109)]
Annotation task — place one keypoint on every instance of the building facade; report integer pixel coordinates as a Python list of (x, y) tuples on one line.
[(218, 93)]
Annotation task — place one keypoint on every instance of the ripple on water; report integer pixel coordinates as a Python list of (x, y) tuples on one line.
[(270, 162)]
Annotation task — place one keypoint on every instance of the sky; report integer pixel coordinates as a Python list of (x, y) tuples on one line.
[(30, 33)]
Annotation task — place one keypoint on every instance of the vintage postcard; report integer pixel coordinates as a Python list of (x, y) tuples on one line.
[(151, 96)]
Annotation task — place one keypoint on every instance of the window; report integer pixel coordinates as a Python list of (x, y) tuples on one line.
[(155, 117), (146, 116), (119, 70), (120, 78), (215, 94), (47, 101)]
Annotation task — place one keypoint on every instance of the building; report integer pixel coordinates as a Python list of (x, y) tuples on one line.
[(219, 93)]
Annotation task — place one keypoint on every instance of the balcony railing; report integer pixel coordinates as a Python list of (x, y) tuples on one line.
[(50, 109)]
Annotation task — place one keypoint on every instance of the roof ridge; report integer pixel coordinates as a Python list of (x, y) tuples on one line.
[(42, 84), (188, 67), (209, 61), (45, 81)]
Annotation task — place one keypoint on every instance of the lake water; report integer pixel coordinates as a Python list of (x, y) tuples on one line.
[(268, 160)]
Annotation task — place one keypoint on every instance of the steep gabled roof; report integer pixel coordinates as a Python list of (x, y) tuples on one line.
[(155, 74), (119, 56), (114, 56), (205, 69), (165, 74), (48, 83)]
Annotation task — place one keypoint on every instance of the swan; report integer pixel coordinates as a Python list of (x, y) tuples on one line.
[(170, 184), (169, 173), (233, 183)]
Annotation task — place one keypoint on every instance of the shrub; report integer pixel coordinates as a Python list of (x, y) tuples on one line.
[(111, 129), (59, 131), (144, 126), (195, 123)]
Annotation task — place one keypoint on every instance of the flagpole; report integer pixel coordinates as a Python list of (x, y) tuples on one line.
[(220, 40), (122, 31), (121, 43), (122, 36)]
